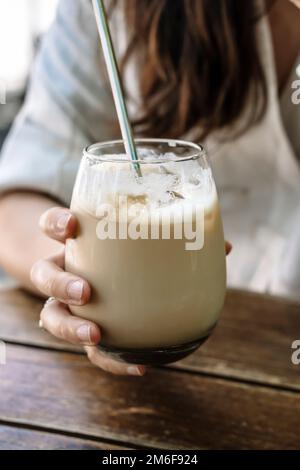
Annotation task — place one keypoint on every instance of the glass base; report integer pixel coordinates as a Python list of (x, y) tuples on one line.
[(154, 357)]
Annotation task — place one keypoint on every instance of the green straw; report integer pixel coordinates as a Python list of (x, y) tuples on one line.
[(114, 78)]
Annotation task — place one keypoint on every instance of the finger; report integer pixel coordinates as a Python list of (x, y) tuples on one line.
[(109, 365), (52, 281), (228, 248), (58, 223), (56, 319)]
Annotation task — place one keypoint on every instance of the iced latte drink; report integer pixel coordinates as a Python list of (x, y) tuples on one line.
[(151, 247)]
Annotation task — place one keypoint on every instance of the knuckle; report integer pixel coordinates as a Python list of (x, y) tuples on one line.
[(96, 358), (45, 221), (91, 354), (64, 330), (43, 317), (110, 368), (107, 365), (56, 285), (33, 271), (49, 285), (36, 273)]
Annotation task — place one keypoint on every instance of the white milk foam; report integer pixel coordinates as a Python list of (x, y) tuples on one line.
[(166, 186)]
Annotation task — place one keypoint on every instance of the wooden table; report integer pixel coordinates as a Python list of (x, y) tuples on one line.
[(239, 391)]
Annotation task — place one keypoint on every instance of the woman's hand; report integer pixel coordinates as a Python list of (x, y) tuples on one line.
[(68, 289), (65, 289)]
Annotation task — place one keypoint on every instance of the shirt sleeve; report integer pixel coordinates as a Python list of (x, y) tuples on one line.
[(68, 106)]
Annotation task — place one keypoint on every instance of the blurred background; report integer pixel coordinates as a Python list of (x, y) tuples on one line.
[(22, 26)]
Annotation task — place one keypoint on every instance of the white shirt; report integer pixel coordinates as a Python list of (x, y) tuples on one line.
[(69, 105)]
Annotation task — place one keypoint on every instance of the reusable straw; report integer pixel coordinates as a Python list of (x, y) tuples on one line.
[(114, 78)]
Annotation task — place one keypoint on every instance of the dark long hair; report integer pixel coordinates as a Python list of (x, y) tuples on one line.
[(201, 64)]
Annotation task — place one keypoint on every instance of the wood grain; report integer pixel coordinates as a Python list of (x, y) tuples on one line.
[(164, 409), (19, 320), (15, 438), (252, 341)]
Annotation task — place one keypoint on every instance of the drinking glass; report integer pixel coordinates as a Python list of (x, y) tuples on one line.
[(151, 247)]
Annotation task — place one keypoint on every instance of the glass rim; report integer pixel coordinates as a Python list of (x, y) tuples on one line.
[(199, 151)]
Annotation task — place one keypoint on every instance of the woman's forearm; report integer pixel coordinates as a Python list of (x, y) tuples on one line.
[(21, 240)]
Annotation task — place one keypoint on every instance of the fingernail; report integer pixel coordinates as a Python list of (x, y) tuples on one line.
[(75, 289), (62, 221), (134, 370), (83, 333)]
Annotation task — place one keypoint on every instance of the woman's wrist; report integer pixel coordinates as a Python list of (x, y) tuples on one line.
[(22, 242)]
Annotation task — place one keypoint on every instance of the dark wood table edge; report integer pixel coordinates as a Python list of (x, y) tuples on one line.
[(178, 367), (80, 437), (183, 368)]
